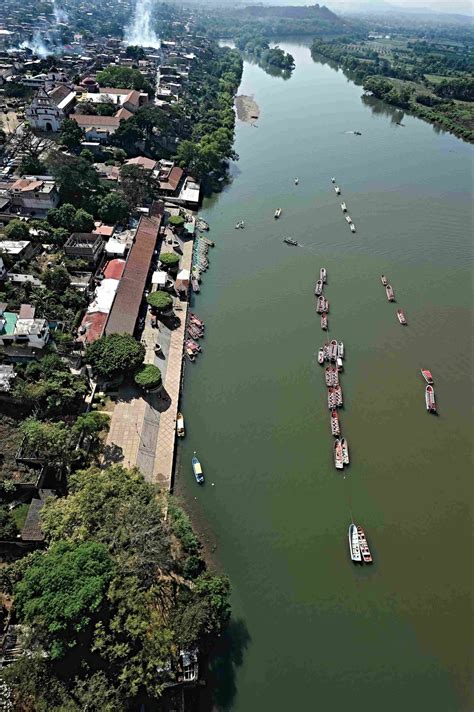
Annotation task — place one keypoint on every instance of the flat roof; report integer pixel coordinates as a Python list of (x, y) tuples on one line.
[(124, 312)]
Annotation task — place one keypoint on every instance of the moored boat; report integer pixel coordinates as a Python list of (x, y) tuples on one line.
[(333, 180), (338, 456), (197, 469), (345, 451), (338, 395), (337, 189), (348, 219), (331, 398), (343, 207), (352, 227), (401, 317), (427, 376), (328, 375), (364, 547), (323, 275), (278, 212), (320, 305), (333, 350), (390, 293), (354, 546), (321, 357), (324, 322), (318, 290), (297, 181), (340, 365), (290, 241), (430, 399), (335, 427), (340, 349), (384, 280), (180, 425)]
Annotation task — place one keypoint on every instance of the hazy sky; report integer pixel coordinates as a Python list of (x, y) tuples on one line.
[(465, 7)]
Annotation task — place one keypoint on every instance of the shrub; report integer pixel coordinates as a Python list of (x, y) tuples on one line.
[(169, 259), (159, 301), (176, 221), (148, 377)]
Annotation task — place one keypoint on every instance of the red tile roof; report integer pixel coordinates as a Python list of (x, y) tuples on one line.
[(124, 312), (87, 120), (174, 178), (114, 269), (94, 325)]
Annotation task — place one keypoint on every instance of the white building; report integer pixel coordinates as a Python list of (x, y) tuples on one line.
[(23, 328), (48, 109)]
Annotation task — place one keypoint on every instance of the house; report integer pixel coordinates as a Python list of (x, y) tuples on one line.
[(169, 178), (142, 162), (190, 193), (48, 109), (129, 99), (34, 195), (85, 246), (93, 324), (21, 249), (23, 328), (100, 128)]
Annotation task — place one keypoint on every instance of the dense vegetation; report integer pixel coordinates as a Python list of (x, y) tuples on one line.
[(405, 75), (116, 596), (259, 48)]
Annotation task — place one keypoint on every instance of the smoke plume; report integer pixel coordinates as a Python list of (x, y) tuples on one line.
[(60, 15), (140, 32)]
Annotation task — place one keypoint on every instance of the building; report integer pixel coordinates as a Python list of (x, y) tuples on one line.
[(21, 249), (23, 328), (95, 319), (85, 246), (129, 99), (100, 128), (142, 162), (48, 109), (126, 307), (169, 178), (190, 193), (34, 195)]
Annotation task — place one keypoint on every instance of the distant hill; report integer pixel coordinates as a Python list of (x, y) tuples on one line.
[(295, 12)]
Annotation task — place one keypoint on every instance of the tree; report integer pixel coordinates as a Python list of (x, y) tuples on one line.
[(62, 593), (112, 355), (169, 259), (57, 279), (83, 221), (47, 441), (87, 155), (8, 527), (135, 52), (113, 208), (63, 216), (148, 377), (77, 179), (30, 165), (17, 230), (176, 221), (137, 184), (161, 301), (71, 134), (124, 77)]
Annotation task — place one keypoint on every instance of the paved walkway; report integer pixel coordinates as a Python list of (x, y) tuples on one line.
[(143, 429)]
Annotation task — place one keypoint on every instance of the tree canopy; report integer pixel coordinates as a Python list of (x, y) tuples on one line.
[(159, 300), (148, 376), (71, 134), (114, 354), (62, 592), (123, 77)]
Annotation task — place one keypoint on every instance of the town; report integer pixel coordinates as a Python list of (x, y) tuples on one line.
[(106, 151)]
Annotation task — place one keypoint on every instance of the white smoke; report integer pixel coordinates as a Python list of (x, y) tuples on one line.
[(37, 46), (140, 31), (60, 15)]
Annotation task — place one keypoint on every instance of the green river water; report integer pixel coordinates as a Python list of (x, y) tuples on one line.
[(310, 631)]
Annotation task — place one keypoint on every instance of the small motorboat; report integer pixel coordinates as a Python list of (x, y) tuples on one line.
[(333, 350), (430, 399), (297, 180), (338, 396), (237, 226), (352, 227), (343, 207), (339, 364), (390, 293), (331, 399), (318, 290), (427, 376), (202, 224), (384, 280), (348, 219), (333, 180), (190, 354), (321, 357), (357, 133), (335, 427), (277, 213), (401, 317), (340, 350), (290, 241), (324, 322), (180, 425), (242, 224), (364, 547), (197, 469), (337, 189), (157, 349), (354, 546), (338, 455), (323, 275), (320, 306), (345, 451)]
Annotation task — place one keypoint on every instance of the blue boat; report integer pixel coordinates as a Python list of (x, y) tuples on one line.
[(197, 469)]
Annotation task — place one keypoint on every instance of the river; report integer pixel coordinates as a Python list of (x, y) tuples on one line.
[(310, 631)]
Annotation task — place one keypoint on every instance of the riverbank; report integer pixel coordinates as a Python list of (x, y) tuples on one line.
[(247, 108)]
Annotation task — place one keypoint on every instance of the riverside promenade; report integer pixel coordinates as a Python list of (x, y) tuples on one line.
[(143, 427)]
